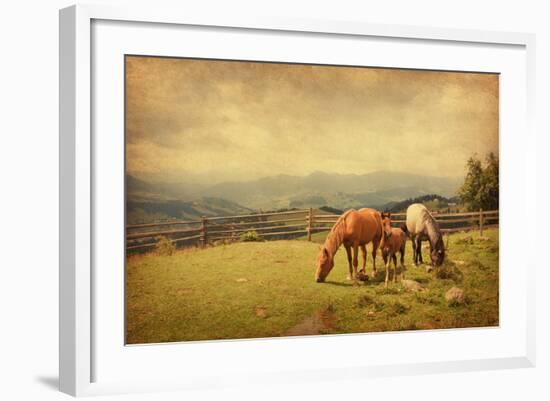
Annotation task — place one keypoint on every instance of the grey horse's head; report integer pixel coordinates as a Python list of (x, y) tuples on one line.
[(437, 253)]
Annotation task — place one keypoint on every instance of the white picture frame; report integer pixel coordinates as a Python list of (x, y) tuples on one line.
[(78, 161)]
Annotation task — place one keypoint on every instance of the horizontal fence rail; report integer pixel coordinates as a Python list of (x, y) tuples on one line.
[(277, 225)]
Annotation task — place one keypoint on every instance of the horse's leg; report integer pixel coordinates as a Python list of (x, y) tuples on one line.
[(355, 260), (348, 252), (402, 260), (413, 240), (385, 257), (375, 245), (364, 254), (387, 267), (419, 250), (394, 257)]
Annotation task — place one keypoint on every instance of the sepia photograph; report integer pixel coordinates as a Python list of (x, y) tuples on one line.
[(270, 199)]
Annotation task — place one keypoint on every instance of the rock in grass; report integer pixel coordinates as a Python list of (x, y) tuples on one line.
[(455, 296), (260, 311), (411, 285)]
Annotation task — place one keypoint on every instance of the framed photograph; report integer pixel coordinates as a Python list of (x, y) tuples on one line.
[(279, 200)]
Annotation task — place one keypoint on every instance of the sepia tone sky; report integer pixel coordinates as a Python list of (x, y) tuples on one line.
[(224, 120)]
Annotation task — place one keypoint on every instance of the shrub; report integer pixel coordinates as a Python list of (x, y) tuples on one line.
[(251, 236), (164, 246), (427, 298), (365, 300), (398, 308), (391, 290), (449, 272)]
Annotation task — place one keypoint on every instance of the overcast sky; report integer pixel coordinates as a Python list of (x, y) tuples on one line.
[(225, 120)]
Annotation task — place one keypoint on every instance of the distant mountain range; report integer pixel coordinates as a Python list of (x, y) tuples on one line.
[(148, 211), (318, 189)]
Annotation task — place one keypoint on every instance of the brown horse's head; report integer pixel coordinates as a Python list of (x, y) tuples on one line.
[(325, 263), (386, 224)]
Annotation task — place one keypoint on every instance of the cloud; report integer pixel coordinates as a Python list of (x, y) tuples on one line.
[(244, 120)]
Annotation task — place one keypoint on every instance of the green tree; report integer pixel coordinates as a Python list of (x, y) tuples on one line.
[(480, 187), (490, 180)]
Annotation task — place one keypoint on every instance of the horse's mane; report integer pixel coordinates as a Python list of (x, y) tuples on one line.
[(336, 235), (432, 227)]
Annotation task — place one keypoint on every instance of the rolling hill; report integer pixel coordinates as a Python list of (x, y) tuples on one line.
[(337, 190), (154, 201), (148, 211)]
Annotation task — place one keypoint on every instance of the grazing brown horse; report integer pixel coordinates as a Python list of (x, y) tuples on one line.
[(355, 229), (393, 241)]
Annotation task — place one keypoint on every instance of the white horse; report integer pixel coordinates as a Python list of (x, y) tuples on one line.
[(421, 226)]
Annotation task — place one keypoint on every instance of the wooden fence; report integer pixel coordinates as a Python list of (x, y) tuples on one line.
[(276, 225)]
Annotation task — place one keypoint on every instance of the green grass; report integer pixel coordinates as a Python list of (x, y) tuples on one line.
[(266, 289)]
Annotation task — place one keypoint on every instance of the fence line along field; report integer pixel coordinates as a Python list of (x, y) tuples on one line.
[(276, 225)]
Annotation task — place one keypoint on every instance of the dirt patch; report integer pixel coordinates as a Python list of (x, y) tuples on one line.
[(319, 323), (260, 311), (425, 326), (184, 291)]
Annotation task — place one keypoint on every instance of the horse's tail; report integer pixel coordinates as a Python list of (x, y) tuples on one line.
[(404, 228)]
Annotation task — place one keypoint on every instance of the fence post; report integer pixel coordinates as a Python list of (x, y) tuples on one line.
[(203, 232), (309, 223), (480, 222)]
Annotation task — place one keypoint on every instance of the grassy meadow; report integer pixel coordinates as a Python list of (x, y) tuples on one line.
[(267, 289)]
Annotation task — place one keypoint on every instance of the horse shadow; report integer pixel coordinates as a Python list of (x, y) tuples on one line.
[(340, 283), (376, 279)]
